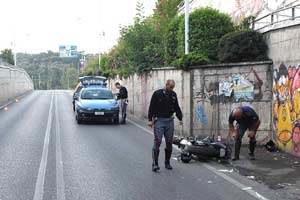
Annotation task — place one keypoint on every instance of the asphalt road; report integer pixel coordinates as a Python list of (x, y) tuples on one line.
[(44, 154)]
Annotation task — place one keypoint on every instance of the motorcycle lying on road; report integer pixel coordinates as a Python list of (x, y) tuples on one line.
[(205, 148)]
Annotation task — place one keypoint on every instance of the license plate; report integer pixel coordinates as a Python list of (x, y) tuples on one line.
[(99, 113)]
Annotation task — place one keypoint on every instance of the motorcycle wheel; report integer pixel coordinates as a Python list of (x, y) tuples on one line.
[(185, 157)]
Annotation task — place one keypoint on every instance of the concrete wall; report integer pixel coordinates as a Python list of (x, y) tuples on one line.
[(286, 108), (284, 49), (250, 84), (284, 45), (141, 87), (13, 83), (205, 110)]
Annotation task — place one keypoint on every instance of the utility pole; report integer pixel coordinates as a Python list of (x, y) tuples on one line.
[(187, 15)]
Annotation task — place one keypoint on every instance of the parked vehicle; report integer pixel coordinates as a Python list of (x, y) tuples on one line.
[(96, 104), (205, 148), (88, 82)]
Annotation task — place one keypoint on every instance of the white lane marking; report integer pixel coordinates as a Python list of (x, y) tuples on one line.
[(235, 182), (60, 184), (215, 171), (39, 186)]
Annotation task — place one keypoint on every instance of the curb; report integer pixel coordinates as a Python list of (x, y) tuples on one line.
[(13, 101)]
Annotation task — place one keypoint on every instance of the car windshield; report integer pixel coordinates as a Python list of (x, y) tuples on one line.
[(97, 94)]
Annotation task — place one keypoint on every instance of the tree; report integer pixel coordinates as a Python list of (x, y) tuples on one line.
[(207, 27), (70, 78), (164, 12), (171, 40), (7, 56)]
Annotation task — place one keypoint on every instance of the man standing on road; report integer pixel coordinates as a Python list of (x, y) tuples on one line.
[(163, 105), (246, 118), (122, 96)]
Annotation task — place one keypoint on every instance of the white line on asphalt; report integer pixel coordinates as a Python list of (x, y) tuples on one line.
[(60, 184), (39, 186), (215, 171), (235, 182)]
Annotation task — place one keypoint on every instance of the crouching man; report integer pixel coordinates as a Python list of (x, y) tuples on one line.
[(247, 119)]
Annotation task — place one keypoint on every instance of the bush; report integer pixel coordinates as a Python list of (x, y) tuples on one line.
[(207, 27), (191, 59), (241, 46)]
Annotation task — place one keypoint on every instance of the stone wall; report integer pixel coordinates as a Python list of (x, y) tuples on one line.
[(13, 83)]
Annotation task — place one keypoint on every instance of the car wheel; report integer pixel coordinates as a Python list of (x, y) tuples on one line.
[(73, 107), (116, 120)]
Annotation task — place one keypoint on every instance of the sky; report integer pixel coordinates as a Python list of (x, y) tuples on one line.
[(39, 25)]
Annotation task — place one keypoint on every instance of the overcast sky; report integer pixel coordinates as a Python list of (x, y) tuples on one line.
[(41, 25)]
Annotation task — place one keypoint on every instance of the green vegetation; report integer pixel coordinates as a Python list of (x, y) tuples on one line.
[(7, 56), (158, 40), (191, 59), (240, 46), (49, 71), (207, 27)]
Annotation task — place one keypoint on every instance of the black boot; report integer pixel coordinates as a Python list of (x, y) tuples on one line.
[(123, 119), (252, 145), (168, 154), (237, 148), (155, 155)]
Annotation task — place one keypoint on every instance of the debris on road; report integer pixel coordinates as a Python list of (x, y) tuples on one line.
[(226, 170), (247, 188), (251, 177)]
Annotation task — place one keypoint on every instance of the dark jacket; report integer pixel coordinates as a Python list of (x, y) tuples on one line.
[(123, 94), (163, 105), (249, 117)]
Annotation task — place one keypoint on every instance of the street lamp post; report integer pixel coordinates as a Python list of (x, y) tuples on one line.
[(99, 59), (187, 14)]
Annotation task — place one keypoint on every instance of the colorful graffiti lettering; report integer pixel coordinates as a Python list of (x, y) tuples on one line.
[(201, 115), (286, 108)]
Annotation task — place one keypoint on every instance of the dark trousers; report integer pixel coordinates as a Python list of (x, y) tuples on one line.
[(241, 132), (163, 127)]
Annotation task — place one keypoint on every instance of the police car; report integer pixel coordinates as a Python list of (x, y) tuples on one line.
[(93, 101), (88, 82)]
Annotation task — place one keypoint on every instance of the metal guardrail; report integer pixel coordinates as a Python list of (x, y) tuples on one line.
[(286, 14), (13, 68)]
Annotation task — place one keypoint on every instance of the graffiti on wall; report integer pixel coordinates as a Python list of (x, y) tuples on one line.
[(201, 115), (235, 88), (286, 108)]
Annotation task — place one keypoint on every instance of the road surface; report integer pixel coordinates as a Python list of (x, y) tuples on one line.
[(45, 154)]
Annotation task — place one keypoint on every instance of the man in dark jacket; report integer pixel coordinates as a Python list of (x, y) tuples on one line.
[(163, 105), (246, 118), (122, 96)]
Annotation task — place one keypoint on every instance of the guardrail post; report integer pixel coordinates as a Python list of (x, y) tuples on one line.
[(293, 13), (272, 19)]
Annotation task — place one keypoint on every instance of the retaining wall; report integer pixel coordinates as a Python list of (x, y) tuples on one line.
[(13, 83)]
